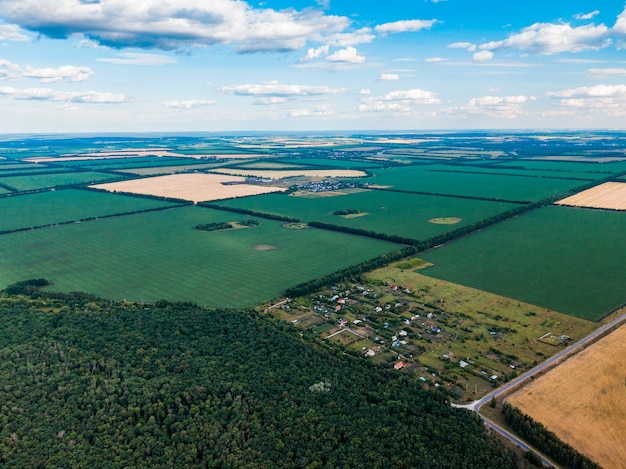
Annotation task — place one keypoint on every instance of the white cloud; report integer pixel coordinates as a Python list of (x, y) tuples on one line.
[(269, 100), (347, 55), (435, 60), (402, 100), (497, 100), (549, 38), (606, 72), (54, 75), (317, 111), (587, 16), (188, 104), (598, 91), (507, 107), (389, 77), (620, 23), (314, 53), (8, 70), (134, 58), (71, 73), (170, 25), (404, 26), (468, 46), (483, 56), (275, 88), (365, 92), (589, 102), (47, 94), (11, 32), (360, 36)]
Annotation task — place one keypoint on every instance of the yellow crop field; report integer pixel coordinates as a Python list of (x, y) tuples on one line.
[(611, 195), (194, 187)]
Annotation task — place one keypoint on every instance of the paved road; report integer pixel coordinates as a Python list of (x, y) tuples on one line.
[(552, 361)]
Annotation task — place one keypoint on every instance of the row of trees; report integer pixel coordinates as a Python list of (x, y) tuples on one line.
[(254, 213), (352, 273), (544, 440)]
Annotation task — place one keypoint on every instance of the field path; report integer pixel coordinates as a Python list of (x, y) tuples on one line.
[(549, 363)]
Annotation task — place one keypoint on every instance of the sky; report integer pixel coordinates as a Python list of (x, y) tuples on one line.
[(310, 65)]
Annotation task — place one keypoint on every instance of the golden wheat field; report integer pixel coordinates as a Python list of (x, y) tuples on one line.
[(195, 187), (611, 195)]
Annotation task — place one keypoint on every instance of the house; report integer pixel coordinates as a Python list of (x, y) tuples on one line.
[(403, 333), (399, 365), (463, 363), (370, 353)]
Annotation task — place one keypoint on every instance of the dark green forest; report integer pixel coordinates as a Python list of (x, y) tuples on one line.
[(88, 382)]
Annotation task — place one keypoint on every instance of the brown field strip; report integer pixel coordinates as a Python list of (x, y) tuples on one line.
[(610, 195), (583, 400), (194, 187)]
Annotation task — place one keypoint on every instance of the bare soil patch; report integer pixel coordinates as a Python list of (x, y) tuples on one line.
[(445, 220), (610, 195), (583, 400), (295, 226), (194, 187), (265, 247)]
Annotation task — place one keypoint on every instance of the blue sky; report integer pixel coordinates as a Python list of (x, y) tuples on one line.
[(227, 65)]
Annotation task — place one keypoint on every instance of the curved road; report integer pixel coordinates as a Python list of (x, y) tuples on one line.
[(554, 360)]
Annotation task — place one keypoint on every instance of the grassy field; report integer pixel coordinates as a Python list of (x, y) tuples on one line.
[(566, 259), (567, 168), (342, 163), (11, 167), (387, 212), (149, 256), (43, 181), (584, 396), (512, 171), (516, 188), (51, 207)]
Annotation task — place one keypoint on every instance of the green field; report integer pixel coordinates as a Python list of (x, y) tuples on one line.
[(43, 181), (566, 259), (340, 163), (387, 212), (512, 171), (10, 166), (65, 205), (576, 168), (514, 188), (154, 255)]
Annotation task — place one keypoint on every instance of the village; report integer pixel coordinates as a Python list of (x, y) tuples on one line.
[(393, 325)]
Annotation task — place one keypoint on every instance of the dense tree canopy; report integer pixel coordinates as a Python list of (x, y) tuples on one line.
[(85, 380)]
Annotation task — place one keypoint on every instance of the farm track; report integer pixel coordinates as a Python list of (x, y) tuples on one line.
[(550, 363)]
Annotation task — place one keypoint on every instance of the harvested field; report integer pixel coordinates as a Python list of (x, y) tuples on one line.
[(610, 195), (317, 173), (194, 187), (583, 400)]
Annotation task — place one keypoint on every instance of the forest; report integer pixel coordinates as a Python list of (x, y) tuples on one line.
[(176, 385)]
